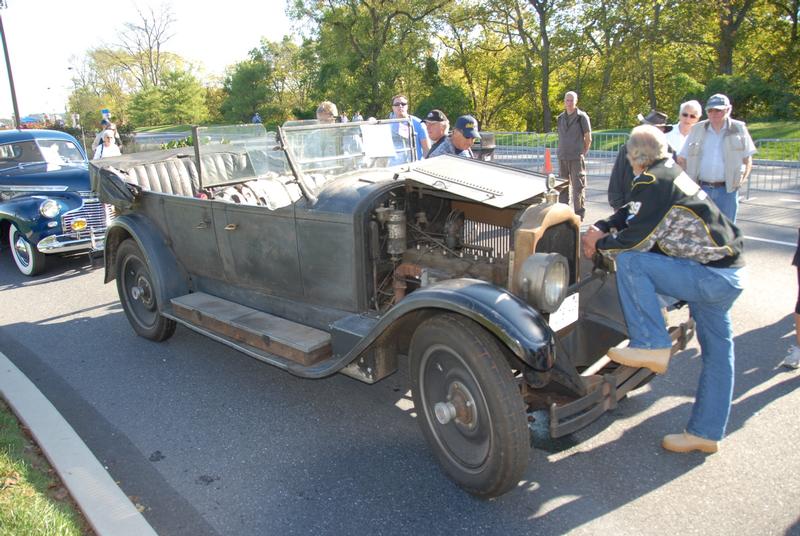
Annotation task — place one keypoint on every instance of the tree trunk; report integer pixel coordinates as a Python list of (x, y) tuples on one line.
[(542, 9)]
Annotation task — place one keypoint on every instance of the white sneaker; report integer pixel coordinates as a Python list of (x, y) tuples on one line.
[(792, 360)]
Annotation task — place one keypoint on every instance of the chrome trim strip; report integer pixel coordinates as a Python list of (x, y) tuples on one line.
[(28, 188)]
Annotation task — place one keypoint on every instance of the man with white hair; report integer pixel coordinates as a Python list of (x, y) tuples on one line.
[(718, 153), (690, 114), (673, 241), (574, 140)]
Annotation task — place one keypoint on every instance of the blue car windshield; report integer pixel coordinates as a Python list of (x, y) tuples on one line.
[(40, 150)]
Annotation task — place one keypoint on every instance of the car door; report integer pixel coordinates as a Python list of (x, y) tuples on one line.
[(258, 247)]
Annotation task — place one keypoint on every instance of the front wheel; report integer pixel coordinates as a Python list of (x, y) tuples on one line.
[(138, 294), (468, 405), (29, 260)]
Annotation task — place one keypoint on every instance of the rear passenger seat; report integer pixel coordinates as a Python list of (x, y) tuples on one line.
[(177, 175), (174, 175)]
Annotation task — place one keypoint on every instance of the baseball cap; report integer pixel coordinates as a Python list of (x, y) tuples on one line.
[(435, 115), (468, 126), (717, 101)]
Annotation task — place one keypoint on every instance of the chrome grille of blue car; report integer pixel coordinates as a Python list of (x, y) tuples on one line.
[(97, 215)]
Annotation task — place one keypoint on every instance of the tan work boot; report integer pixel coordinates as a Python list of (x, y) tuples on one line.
[(687, 442), (656, 360)]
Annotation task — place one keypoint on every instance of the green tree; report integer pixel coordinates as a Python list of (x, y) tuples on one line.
[(183, 98), (146, 107), (369, 49), (247, 88)]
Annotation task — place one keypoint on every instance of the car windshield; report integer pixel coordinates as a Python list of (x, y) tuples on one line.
[(323, 151), (337, 148), (37, 151)]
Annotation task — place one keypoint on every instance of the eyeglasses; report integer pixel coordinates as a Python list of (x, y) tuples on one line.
[(399, 104), (693, 116)]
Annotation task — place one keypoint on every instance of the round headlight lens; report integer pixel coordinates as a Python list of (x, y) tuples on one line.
[(49, 208), (555, 284), (544, 281)]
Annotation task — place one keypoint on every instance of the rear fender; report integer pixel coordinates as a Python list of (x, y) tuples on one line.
[(169, 276)]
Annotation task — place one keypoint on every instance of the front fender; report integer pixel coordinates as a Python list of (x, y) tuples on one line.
[(169, 276), (23, 211), (511, 320), (518, 326)]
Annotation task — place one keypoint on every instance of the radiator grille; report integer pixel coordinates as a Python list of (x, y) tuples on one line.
[(487, 239), (97, 216)]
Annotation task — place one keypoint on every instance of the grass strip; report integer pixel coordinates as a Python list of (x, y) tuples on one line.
[(33, 501)]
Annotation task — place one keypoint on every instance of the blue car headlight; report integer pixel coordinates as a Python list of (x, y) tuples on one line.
[(49, 208)]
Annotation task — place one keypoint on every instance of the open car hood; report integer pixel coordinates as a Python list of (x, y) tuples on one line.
[(485, 182)]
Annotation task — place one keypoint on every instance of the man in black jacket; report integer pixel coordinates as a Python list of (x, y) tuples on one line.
[(671, 239)]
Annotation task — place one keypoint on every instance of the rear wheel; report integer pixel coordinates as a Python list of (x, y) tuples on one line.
[(468, 404), (138, 294), (29, 260)]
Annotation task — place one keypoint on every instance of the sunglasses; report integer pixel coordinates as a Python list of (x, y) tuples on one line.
[(693, 116), (399, 104)]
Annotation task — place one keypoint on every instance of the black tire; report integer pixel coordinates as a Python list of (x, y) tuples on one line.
[(137, 293), (29, 260), (457, 365)]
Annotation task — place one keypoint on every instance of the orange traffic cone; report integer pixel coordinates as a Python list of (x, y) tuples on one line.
[(548, 165)]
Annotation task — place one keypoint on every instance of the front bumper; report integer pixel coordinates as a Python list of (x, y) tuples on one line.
[(91, 241), (605, 389)]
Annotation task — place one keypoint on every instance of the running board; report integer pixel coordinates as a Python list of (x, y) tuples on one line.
[(260, 331)]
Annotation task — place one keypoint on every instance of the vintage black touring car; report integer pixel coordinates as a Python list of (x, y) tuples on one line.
[(328, 248)]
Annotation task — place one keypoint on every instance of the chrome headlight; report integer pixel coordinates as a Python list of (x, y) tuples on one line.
[(544, 281), (49, 208)]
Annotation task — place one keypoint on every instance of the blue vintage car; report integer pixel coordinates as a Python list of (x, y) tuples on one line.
[(46, 203)]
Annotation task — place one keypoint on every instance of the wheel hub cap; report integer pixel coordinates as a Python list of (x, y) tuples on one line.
[(142, 292), (459, 406), (22, 249)]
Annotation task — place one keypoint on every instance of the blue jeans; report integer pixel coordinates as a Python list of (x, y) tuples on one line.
[(710, 293), (728, 203)]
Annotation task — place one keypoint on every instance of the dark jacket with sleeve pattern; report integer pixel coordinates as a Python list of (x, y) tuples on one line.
[(669, 214)]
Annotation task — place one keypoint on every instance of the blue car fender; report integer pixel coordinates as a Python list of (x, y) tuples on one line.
[(23, 211), (169, 277)]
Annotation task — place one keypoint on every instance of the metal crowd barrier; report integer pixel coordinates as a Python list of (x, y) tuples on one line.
[(776, 165), (527, 150)]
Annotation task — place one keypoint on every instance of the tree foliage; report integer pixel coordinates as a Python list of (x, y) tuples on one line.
[(508, 62)]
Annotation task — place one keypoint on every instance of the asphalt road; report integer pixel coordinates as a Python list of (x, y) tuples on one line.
[(210, 441)]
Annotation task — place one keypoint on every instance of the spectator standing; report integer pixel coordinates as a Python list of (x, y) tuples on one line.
[(256, 118), (105, 124), (718, 153), (619, 183), (108, 147), (400, 111), (793, 359), (674, 241), (690, 113), (574, 140), (438, 127), (357, 116), (460, 142)]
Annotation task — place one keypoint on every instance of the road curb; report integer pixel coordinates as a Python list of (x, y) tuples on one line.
[(107, 509)]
